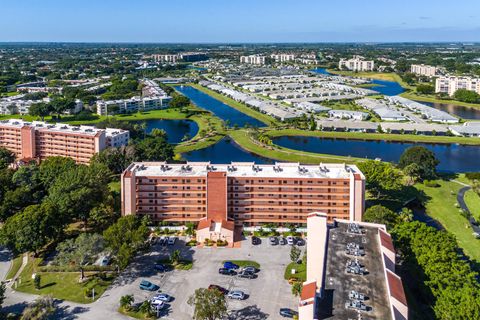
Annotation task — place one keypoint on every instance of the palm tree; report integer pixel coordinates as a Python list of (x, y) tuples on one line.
[(127, 301)]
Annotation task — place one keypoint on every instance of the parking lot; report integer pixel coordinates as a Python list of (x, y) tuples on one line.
[(265, 295)]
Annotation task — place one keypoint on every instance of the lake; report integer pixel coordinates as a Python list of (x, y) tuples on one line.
[(453, 157), (220, 109), (225, 151), (175, 129)]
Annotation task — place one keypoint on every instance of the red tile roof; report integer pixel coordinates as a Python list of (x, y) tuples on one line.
[(386, 240), (204, 223), (308, 291), (229, 225), (396, 288)]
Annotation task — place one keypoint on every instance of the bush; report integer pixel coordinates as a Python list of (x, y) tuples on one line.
[(222, 243), (473, 175), (431, 183), (191, 243)]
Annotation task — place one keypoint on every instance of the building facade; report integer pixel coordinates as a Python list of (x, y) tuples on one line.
[(245, 193), (283, 57), (39, 140), (450, 84), (357, 63), (423, 70), (253, 59)]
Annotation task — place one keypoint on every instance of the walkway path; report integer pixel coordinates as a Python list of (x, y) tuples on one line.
[(463, 205)]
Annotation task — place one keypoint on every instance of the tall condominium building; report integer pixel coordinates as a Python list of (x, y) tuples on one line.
[(39, 140), (350, 272), (424, 70), (184, 56), (450, 84), (242, 193), (283, 57), (357, 63), (253, 59)]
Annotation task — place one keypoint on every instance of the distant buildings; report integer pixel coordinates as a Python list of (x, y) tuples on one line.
[(347, 114), (283, 57), (450, 84), (184, 57), (424, 70), (39, 140), (357, 63), (253, 59), (427, 112), (350, 270), (16, 105)]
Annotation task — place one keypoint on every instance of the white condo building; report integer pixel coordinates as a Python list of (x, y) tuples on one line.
[(357, 63), (450, 84), (283, 57), (253, 59), (424, 70)]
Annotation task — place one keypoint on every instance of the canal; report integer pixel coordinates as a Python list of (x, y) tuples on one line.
[(220, 109), (453, 157), (176, 130)]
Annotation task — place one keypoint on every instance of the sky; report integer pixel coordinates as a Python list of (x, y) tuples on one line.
[(234, 21)]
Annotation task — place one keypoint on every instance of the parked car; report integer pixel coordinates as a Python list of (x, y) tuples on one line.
[(215, 287), (162, 240), (290, 240), (158, 304), (236, 294), (250, 269), (256, 240), (160, 267), (300, 242), (247, 275), (273, 241), (165, 241), (162, 297), (287, 313), (105, 261), (147, 285), (171, 241), (230, 265), (226, 271), (282, 241)]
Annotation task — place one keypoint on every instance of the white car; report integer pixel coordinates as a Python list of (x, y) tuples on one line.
[(236, 294), (162, 297), (157, 303), (171, 240), (291, 240)]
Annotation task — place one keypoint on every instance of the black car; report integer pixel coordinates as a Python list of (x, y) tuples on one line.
[(287, 313), (248, 275), (228, 272), (255, 241)]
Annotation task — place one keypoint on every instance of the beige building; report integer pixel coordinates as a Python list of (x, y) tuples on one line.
[(357, 63), (350, 269), (423, 70), (450, 84), (253, 59), (283, 57)]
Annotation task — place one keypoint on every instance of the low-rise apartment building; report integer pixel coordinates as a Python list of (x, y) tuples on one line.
[(243, 193), (357, 63), (184, 56), (423, 70), (450, 84), (283, 57), (350, 272), (253, 59), (39, 140)]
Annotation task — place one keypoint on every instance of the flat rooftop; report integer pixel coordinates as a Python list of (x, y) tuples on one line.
[(339, 283), (244, 169)]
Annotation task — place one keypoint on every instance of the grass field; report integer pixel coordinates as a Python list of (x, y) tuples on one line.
[(431, 98), (473, 203), (237, 105), (16, 264), (243, 138), (374, 136), (441, 206), (300, 271), (61, 285)]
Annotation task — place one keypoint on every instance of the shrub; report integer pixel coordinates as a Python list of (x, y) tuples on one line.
[(431, 183), (222, 243)]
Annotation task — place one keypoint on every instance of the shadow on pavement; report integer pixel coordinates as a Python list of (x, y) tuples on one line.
[(248, 313)]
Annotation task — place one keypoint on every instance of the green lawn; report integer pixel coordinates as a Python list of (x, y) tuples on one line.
[(243, 138), (440, 205), (62, 285), (432, 98), (237, 105), (473, 203), (244, 263), (373, 136), (134, 314), (16, 264), (300, 274)]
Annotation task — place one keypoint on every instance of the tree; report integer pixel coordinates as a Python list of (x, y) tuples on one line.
[(423, 158), (425, 89), (175, 256), (413, 171), (159, 133), (79, 251), (60, 105), (36, 281), (146, 308), (3, 289), (406, 215), (179, 101), (382, 215), (295, 254), (52, 167), (41, 309), (154, 149), (126, 301), (40, 110), (381, 177), (208, 304), (6, 158), (190, 230), (296, 288), (116, 159), (467, 96), (102, 216)]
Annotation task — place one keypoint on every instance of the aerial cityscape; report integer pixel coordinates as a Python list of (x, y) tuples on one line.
[(218, 160)]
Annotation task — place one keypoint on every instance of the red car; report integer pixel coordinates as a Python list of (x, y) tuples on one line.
[(214, 286)]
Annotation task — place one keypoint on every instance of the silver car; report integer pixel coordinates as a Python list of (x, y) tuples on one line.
[(236, 294)]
